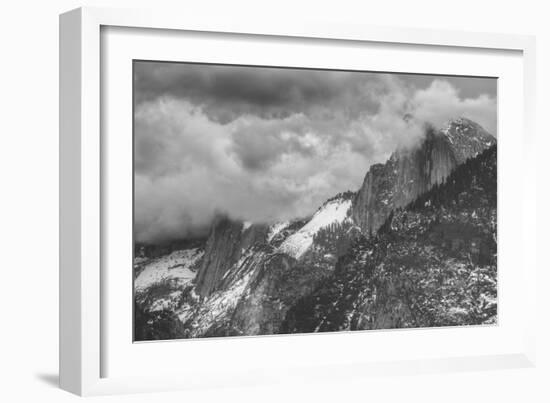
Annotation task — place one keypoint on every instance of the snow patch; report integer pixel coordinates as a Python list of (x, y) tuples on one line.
[(246, 225), (166, 303), (177, 265), (297, 244), (276, 229)]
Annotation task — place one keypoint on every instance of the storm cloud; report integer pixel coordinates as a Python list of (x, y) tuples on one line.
[(267, 144)]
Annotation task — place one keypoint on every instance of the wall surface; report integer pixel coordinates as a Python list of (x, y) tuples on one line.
[(29, 201)]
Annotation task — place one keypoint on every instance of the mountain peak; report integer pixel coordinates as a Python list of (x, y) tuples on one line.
[(467, 138)]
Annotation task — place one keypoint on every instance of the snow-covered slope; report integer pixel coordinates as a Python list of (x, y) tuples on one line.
[(335, 211), (276, 229), (178, 265)]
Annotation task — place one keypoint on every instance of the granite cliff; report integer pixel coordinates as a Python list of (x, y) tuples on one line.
[(411, 172)]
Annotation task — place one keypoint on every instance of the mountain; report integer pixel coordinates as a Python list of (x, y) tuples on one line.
[(226, 245), (256, 278), (409, 173), (255, 273), (467, 138), (432, 263)]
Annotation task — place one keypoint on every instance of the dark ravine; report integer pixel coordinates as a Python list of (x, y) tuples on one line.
[(246, 284)]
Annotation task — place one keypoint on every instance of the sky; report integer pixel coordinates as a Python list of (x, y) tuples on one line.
[(266, 144)]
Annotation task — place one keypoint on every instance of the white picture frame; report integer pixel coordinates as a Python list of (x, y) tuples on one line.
[(84, 341)]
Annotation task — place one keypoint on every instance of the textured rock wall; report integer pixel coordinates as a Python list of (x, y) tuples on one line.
[(409, 173), (226, 243)]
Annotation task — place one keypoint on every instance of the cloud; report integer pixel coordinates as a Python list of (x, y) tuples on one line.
[(441, 101), (190, 168), (228, 92), (265, 145)]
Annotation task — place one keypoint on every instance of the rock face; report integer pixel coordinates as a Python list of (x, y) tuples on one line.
[(278, 284), (467, 138), (227, 241), (409, 173)]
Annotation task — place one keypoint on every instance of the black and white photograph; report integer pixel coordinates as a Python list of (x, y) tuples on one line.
[(286, 202), (276, 200)]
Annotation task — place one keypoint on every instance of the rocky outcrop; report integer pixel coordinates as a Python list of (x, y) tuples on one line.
[(409, 173), (226, 243), (467, 138), (280, 282)]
